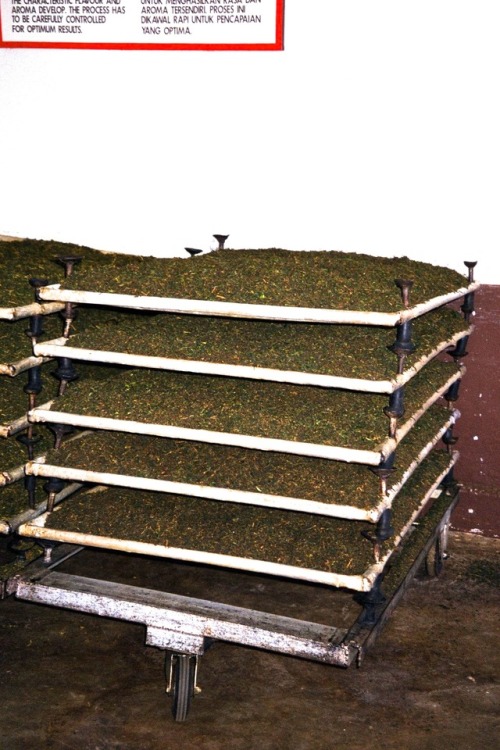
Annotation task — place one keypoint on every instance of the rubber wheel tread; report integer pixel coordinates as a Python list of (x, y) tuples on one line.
[(183, 686)]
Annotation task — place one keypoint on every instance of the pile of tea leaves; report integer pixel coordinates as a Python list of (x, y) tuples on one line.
[(285, 537), (267, 472), (21, 260), (270, 276), (342, 350), (250, 407)]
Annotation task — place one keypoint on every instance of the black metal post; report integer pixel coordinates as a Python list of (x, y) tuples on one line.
[(52, 487), (69, 262), (65, 373), (468, 303), (30, 486), (383, 531), (37, 283), (36, 328), (451, 394), (68, 315), (404, 285), (460, 350), (383, 472), (395, 410), (449, 439), (221, 239), (371, 601), (60, 430), (32, 388)]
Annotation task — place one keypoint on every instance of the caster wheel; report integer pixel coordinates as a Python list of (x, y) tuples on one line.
[(434, 562), (182, 684)]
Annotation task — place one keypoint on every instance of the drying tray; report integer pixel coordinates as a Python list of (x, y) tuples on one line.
[(231, 474), (294, 545), (17, 347), (270, 284), (325, 423), (353, 357)]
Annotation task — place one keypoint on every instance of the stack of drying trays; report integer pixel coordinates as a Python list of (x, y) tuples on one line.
[(299, 440), (279, 429)]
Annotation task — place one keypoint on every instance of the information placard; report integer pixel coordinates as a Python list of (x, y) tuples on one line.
[(143, 24)]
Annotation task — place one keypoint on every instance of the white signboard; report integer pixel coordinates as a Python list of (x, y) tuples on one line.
[(142, 24)]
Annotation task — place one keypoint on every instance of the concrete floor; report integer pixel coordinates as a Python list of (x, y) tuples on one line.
[(77, 682)]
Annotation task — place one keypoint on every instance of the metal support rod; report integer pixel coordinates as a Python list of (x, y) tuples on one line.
[(451, 394), (383, 472), (30, 485), (371, 601), (449, 439), (52, 487), (404, 285), (471, 264), (29, 440), (36, 283), (48, 548), (384, 526), (32, 388), (36, 328), (60, 430), (403, 344), (221, 239), (468, 303), (468, 306), (384, 530), (65, 373), (395, 410), (69, 262), (449, 482), (34, 385), (68, 315), (460, 350)]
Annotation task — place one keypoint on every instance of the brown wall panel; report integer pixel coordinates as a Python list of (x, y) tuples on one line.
[(478, 429)]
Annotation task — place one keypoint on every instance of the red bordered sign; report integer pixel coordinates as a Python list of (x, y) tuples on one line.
[(143, 24)]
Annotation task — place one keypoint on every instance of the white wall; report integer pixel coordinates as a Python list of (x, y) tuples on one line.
[(376, 130)]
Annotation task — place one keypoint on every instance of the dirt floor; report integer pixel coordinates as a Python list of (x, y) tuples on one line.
[(72, 681)]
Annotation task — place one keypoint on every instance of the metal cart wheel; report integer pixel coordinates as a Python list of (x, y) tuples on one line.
[(437, 554), (434, 560), (181, 684)]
